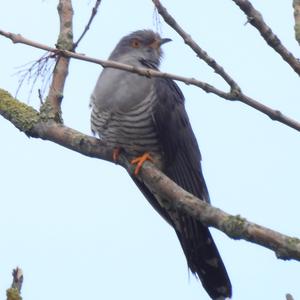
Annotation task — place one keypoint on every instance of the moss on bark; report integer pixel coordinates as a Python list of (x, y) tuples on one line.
[(13, 294), (23, 116)]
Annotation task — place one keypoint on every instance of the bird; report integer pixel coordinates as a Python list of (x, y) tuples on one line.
[(145, 117)]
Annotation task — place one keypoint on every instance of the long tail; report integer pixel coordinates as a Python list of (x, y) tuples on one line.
[(199, 248), (202, 255), (203, 258)]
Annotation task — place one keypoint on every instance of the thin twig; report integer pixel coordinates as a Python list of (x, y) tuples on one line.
[(14, 292), (289, 297), (197, 49), (296, 6), (41, 68), (275, 115), (18, 278), (87, 27), (255, 18), (238, 96)]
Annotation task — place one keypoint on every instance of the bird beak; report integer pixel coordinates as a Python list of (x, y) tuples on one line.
[(163, 41), (158, 42)]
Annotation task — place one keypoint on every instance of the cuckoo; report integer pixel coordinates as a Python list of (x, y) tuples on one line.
[(146, 118)]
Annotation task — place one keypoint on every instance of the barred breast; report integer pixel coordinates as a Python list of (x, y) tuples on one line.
[(132, 130)]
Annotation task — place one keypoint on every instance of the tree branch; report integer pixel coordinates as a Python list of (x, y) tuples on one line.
[(236, 227), (35, 124), (236, 92), (65, 41), (87, 27), (14, 292), (289, 297), (235, 89), (255, 18), (236, 95), (296, 6)]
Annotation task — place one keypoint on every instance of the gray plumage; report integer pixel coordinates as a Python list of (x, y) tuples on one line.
[(138, 115)]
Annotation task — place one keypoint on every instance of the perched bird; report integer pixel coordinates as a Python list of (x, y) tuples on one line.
[(145, 117)]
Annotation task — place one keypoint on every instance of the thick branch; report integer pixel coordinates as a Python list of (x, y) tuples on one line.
[(235, 95), (34, 124), (255, 18), (296, 6), (234, 226), (72, 139)]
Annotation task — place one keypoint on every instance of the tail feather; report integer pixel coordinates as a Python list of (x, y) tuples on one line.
[(201, 253), (204, 259)]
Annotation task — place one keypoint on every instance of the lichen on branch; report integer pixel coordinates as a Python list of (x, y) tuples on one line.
[(24, 117)]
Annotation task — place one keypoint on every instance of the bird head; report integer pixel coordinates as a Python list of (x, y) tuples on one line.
[(143, 46)]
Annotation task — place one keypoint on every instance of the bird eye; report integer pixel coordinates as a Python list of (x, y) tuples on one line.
[(135, 43)]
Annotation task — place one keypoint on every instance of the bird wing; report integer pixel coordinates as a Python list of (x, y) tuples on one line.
[(180, 148), (182, 158)]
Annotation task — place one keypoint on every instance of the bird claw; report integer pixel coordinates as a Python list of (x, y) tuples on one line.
[(139, 161)]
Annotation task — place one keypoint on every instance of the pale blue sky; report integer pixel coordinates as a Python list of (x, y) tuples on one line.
[(80, 229)]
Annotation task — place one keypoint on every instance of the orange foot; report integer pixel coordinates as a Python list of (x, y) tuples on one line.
[(139, 162), (116, 153)]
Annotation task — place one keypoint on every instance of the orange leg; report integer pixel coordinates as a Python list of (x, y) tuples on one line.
[(116, 154), (139, 161)]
